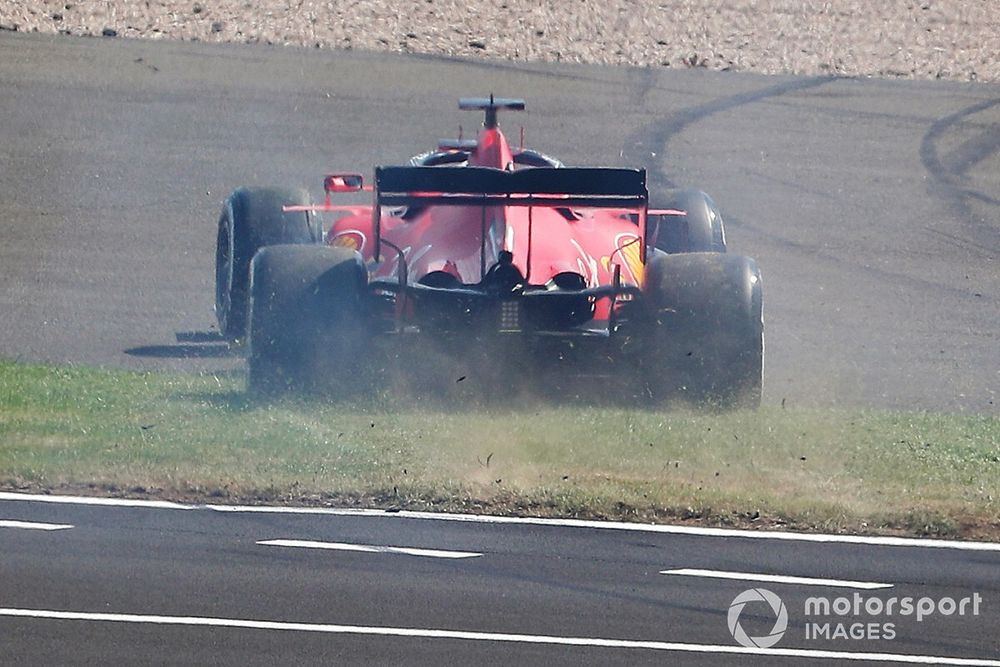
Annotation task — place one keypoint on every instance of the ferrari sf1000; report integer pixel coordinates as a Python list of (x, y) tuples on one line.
[(499, 256)]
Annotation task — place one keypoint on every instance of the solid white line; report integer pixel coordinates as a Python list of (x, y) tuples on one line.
[(777, 578), (30, 525), (367, 548), (495, 637), (696, 531)]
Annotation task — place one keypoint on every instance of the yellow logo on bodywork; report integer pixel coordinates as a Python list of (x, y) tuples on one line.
[(629, 250)]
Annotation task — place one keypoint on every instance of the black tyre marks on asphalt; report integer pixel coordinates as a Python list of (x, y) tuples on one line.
[(949, 172), (660, 132)]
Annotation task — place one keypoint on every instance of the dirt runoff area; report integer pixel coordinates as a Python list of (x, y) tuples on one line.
[(923, 39)]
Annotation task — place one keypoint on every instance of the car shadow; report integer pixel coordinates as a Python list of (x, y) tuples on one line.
[(190, 345), (182, 351)]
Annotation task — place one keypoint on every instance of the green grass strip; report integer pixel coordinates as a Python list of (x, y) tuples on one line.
[(190, 436)]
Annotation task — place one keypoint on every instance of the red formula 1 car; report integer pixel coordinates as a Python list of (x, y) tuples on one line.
[(501, 258)]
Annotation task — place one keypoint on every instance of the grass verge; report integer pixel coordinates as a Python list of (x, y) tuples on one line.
[(199, 437)]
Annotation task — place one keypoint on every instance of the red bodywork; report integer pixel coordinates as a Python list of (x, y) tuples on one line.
[(599, 249)]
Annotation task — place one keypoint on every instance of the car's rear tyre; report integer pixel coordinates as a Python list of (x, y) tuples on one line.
[(700, 230), (251, 219), (705, 332), (307, 321)]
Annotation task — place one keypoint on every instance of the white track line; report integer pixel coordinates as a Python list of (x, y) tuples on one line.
[(696, 531), (94, 500), (367, 548), (30, 525), (496, 637), (776, 578)]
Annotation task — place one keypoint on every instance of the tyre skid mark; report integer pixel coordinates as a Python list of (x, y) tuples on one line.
[(947, 183), (660, 132)]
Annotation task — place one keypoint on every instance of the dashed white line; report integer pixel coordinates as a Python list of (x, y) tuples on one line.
[(776, 578), (33, 525), (695, 531), (368, 548), (680, 647), (93, 500)]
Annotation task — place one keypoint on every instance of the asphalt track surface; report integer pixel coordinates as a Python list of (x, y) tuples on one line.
[(168, 574), (871, 205)]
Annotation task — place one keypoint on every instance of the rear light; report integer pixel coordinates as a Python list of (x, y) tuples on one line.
[(343, 182), (510, 316)]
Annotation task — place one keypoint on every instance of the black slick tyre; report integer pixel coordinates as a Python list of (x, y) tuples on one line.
[(705, 332), (702, 229), (251, 219), (307, 320)]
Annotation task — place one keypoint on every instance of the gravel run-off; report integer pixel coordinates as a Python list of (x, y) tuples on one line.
[(932, 39)]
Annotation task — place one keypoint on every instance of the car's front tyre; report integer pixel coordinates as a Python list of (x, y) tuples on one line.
[(251, 219)]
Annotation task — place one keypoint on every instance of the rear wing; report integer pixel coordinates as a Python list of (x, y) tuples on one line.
[(585, 187), (582, 187)]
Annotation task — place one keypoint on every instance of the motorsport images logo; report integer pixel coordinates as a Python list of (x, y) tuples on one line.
[(780, 622)]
